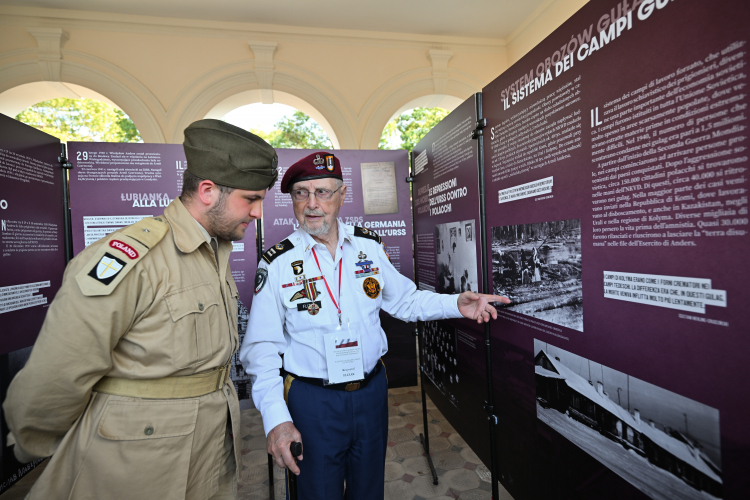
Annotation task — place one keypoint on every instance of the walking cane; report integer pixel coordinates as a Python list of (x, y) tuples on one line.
[(296, 449)]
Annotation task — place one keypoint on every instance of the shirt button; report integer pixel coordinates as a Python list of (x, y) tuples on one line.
[(149, 430), (200, 306)]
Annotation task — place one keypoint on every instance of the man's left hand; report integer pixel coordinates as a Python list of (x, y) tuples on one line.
[(477, 306)]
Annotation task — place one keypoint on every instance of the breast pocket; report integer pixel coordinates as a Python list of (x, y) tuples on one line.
[(195, 323), (141, 450)]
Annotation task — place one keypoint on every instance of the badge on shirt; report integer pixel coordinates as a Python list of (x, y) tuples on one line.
[(371, 286), (107, 268), (261, 275), (312, 308), (364, 267), (308, 291), (344, 357), (297, 267)]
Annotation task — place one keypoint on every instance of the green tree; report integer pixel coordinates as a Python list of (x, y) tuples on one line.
[(297, 132), (410, 127), (81, 120)]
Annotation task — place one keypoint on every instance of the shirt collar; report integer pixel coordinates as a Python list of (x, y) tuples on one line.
[(345, 233), (205, 233)]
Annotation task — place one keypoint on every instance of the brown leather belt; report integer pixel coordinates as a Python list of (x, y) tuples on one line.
[(189, 386), (344, 386)]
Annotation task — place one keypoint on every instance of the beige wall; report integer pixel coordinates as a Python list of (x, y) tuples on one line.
[(165, 73)]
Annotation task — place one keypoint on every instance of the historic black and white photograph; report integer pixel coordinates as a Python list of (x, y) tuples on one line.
[(538, 266), (456, 258), (440, 358), (664, 444)]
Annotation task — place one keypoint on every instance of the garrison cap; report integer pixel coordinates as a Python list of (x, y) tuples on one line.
[(315, 166), (229, 156)]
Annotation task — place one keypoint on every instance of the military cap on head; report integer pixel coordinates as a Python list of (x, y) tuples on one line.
[(315, 166), (229, 156)]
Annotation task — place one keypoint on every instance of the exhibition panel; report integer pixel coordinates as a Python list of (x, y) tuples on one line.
[(32, 238), (447, 250), (377, 199), (615, 172)]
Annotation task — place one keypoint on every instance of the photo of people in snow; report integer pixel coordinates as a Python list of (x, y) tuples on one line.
[(538, 266), (664, 444), (456, 257)]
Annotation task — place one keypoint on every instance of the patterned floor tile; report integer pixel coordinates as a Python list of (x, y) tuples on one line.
[(398, 490), (393, 471), (461, 475), (423, 487), (461, 479)]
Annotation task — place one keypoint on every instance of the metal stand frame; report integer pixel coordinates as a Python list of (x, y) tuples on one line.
[(488, 405), (423, 438), (67, 226)]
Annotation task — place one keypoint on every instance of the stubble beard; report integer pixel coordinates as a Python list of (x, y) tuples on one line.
[(223, 226)]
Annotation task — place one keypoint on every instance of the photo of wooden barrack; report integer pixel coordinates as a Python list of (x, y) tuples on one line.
[(666, 445)]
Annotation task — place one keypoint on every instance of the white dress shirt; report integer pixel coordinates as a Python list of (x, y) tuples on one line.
[(278, 326)]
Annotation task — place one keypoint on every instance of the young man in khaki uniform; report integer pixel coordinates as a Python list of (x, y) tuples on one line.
[(127, 386)]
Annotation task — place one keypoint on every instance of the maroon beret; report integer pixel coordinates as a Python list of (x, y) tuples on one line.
[(315, 166)]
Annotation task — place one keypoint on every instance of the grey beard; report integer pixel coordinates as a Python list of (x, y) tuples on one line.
[(321, 231)]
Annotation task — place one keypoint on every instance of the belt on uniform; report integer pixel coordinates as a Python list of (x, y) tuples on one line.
[(344, 386), (189, 386)]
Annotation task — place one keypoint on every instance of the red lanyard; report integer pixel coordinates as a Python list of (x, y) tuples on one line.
[(341, 264)]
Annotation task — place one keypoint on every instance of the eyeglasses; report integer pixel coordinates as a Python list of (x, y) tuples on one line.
[(320, 193)]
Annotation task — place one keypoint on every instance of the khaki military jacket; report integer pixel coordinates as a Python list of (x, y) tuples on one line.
[(167, 311)]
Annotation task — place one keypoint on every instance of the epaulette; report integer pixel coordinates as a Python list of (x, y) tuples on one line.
[(363, 232), (120, 253), (277, 250)]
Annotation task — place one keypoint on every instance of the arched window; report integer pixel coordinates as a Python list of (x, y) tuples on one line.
[(281, 126)]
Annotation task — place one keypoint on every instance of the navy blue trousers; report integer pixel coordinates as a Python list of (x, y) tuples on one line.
[(344, 438)]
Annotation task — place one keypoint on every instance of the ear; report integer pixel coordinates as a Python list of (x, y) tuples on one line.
[(207, 191), (343, 195)]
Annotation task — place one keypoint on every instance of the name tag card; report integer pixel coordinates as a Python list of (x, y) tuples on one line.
[(344, 357)]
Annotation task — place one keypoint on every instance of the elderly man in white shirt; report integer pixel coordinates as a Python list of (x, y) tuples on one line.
[(318, 295)]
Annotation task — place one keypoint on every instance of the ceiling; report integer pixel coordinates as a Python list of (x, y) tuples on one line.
[(496, 19)]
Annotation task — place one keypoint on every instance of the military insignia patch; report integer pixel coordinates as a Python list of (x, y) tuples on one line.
[(107, 268), (311, 307), (329, 163), (124, 248), (371, 286), (279, 246), (297, 267), (318, 162), (261, 275)]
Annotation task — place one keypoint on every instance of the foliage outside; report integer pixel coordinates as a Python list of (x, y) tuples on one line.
[(296, 132), (81, 120), (410, 127)]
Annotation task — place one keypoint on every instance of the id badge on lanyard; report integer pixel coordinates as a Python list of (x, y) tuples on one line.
[(344, 355), (344, 346)]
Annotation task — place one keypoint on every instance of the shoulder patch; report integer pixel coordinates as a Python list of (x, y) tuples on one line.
[(148, 232), (363, 232), (277, 250), (118, 255)]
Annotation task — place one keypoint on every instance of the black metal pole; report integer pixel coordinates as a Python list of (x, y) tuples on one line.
[(259, 248), (424, 438), (67, 227), (492, 418)]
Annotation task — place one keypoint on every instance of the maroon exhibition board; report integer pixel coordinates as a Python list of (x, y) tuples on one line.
[(377, 198), (113, 185), (617, 219), (446, 218), (33, 255)]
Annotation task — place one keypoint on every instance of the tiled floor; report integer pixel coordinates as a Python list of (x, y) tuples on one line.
[(407, 475)]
